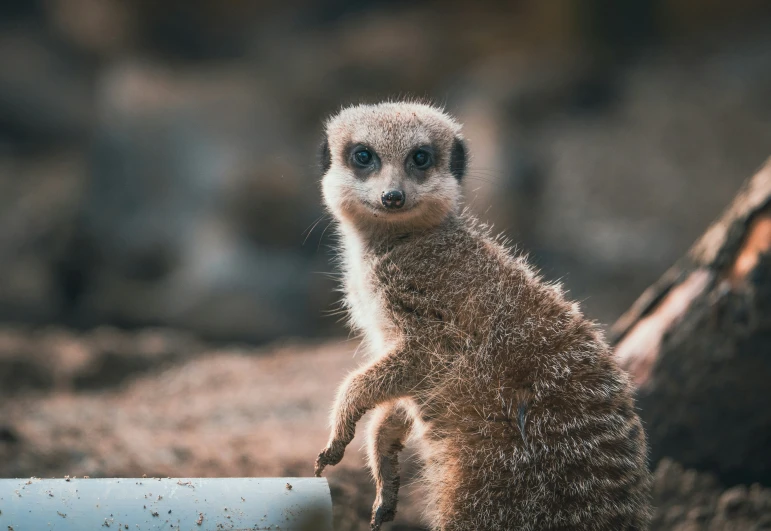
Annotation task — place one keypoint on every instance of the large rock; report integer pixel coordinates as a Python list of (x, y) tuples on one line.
[(698, 346)]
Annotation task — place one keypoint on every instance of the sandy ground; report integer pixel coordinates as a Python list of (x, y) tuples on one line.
[(221, 412)]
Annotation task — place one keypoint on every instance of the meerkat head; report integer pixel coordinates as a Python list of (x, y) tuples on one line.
[(392, 165)]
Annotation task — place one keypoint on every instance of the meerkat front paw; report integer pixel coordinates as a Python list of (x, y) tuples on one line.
[(331, 455), (381, 514), (384, 509)]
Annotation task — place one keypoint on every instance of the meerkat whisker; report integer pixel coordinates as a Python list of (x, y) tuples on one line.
[(313, 226)]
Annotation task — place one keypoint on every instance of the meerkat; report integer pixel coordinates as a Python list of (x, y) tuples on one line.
[(523, 418)]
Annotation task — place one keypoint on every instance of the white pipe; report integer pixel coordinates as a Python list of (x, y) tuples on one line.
[(184, 504)]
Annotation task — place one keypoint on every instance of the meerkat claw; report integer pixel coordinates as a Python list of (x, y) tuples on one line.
[(381, 516), (330, 455), (321, 464), (318, 469)]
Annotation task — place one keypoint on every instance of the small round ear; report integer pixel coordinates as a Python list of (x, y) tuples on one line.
[(325, 157), (458, 159)]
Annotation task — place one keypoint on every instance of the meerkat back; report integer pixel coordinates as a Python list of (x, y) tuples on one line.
[(523, 417)]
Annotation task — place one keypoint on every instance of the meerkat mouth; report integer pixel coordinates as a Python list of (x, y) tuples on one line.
[(381, 212)]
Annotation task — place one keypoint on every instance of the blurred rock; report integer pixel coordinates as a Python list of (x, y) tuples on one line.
[(697, 342)]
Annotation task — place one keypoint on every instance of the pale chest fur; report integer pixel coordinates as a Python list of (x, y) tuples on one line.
[(366, 305)]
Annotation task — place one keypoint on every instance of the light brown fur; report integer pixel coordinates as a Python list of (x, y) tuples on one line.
[(525, 420)]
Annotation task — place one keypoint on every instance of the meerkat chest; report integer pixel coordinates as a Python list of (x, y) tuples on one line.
[(366, 303)]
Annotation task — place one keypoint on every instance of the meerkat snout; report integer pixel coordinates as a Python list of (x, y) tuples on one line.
[(393, 199)]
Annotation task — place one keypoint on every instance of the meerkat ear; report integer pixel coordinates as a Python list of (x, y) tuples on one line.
[(325, 157), (458, 159)]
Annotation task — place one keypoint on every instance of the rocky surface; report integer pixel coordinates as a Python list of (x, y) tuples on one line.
[(696, 345), (237, 411)]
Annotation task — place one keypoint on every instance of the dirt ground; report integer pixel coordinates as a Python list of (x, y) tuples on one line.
[(183, 408)]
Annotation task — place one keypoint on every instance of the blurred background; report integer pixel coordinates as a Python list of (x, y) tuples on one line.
[(159, 196), (157, 159)]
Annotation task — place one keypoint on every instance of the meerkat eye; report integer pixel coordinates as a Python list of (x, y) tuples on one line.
[(363, 157), (422, 159)]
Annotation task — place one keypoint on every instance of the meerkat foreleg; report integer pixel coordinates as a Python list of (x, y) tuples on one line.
[(388, 431), (393, 376)]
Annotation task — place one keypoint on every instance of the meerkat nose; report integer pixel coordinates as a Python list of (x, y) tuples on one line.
[(393, 199)]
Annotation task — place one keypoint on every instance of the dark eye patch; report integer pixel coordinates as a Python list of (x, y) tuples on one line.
[(325, 157), (458, 159)]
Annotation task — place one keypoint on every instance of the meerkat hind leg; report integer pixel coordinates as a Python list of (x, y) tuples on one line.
[(388, 431)]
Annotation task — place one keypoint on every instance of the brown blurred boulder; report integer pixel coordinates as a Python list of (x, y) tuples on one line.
[(698, 346)]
